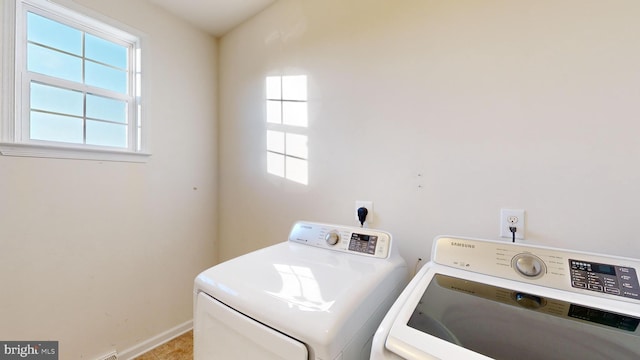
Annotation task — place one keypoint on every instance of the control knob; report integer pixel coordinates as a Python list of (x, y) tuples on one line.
[(332, 237), (528, 265)]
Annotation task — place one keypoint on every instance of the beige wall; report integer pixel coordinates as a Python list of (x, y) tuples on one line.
[(498, 104), (102, 255)]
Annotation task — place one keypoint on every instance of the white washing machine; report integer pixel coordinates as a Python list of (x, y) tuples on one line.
[(320, 295), (481, 299)]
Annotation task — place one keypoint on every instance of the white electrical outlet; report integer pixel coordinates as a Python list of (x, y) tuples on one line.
[(509, 218), (369, 206)]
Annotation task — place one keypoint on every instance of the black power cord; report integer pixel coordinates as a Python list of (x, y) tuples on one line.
[(362, 215), (513, 233)]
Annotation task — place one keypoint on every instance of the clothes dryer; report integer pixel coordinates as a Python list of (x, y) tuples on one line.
[(320, 295)]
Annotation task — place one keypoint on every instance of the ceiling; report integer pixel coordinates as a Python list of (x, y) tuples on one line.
[(214, 16)]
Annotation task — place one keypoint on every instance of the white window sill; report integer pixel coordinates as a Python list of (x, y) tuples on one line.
[(58, 152)]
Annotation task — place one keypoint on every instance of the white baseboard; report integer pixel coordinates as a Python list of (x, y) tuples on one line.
[(155, 341)]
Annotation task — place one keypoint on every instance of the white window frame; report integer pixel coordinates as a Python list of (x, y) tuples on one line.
[(15, 118)]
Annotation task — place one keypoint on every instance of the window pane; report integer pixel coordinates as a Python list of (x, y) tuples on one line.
[(55, 128), (294, 87), (275, 141), (54, 99), (53, 63), (107, 134), (274, 112), (297, 170), (297, 146), (273, 88), (53, 34), (106, 77), (105, 51), (99, 107), (275, 164), (294, 113)]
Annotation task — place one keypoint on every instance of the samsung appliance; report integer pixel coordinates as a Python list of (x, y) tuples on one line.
[(319, 295), (481, 299)]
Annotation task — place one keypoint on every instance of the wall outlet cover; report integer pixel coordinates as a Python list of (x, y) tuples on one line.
[(369, 206), (512, 217)]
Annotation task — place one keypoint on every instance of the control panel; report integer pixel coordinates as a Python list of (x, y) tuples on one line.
[(366, 242), (599, 275), (605, 278)]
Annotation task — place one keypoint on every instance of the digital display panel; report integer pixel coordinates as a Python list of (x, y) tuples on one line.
[(593, 267), (362, 237), (604, 269), (363, 243)]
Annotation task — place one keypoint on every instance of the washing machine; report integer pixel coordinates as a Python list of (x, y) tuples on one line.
[(481, 299), (319, 295)]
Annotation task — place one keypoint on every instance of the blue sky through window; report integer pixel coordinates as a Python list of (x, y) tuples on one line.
[(54, 63), (103, 108), (105, 51), (54, 34), (56, 100), (72, 114)]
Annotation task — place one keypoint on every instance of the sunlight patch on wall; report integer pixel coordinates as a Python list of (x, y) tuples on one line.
[(287, 121)]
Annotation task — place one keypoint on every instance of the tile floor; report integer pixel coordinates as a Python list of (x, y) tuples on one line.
[(180, 348)]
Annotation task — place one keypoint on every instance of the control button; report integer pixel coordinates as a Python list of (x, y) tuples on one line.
[(612, 291), (579, 284), (332, 237), (528, 265), (595, 287)]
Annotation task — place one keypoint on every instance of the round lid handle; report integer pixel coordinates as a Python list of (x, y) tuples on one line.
[(529, 301)]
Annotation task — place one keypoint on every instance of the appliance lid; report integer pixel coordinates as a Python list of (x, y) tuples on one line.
[(453, 313), (304, 290)]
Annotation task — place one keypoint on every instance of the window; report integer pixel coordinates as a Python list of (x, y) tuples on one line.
[(287, 120), (76, 86)]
